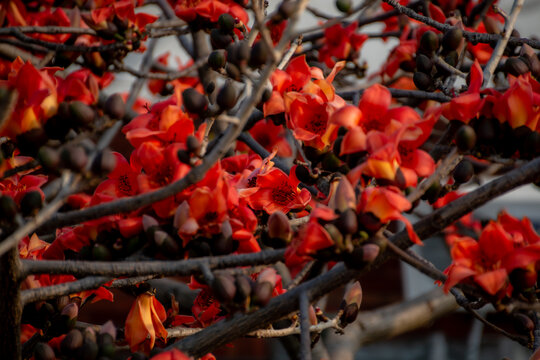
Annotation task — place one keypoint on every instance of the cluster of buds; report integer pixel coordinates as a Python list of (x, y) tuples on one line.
[(241, 293), (433, 50)]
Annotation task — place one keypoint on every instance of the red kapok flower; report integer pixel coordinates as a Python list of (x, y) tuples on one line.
[(144, 323), (340, 43), (387, 203), (277, 191)]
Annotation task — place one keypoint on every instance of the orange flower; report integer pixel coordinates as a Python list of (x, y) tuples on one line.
[(144, 323), (387, 203)]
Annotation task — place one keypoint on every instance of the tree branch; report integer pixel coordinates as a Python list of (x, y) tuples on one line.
[(473, 37), (141, 268)]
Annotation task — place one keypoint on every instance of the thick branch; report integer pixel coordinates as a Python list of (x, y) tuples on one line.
[(140, 268), (398, 93)]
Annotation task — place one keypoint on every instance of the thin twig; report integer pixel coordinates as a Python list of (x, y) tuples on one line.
[(501, 44)]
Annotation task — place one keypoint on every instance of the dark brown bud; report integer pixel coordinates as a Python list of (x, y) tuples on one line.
[(463, 172), (262, 293), (243, 288), (194, 101), (286, 9), (224, 287), (166, 243), (89, 350), (259, 55), (183, 156), (370, 252), (465, 138), (105, 343), (279, 227), (71, 310), (452, 39), (432, 193), (83, 114), (424, 64), (523, 324), (227, 97), (31, 202), (429, 42), (74, 158), (226, 22), (422, 81), (217, 59), (349, 314), (219, 39), (43, 351), (101, 253), (104, 162), (487, 130), (8, 208), (49, 158), (344, 6), (347, 222), (452, 58), (71, 342), (192, 144), (516, 66), (115, 106)]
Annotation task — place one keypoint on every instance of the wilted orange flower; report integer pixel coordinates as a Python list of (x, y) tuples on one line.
[(144, 323)]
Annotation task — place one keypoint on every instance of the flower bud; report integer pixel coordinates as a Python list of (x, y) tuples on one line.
[(224, 287), (429, 42), (226, 98), (101, 253), (347, 222), (226, 22), (49, 158), (465, 138), (351, 304), (31, 202), (279, 227), (149, 222), (108, 328), (217, 59), (463, 172), (516, 66), (370, 252), (220, 39), (243, 288), (192, 144), (83, 114), (452, 39), (74, 157), (422, 81), (259, 55), (43, 351), (424, 64), (523, 324), (71, 342), (166, 243), (344, 6), (304, 175), (115, 106), (194, 101), (262, 293), (104, 162), (106, 344), (344, 197), (71, 310)]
